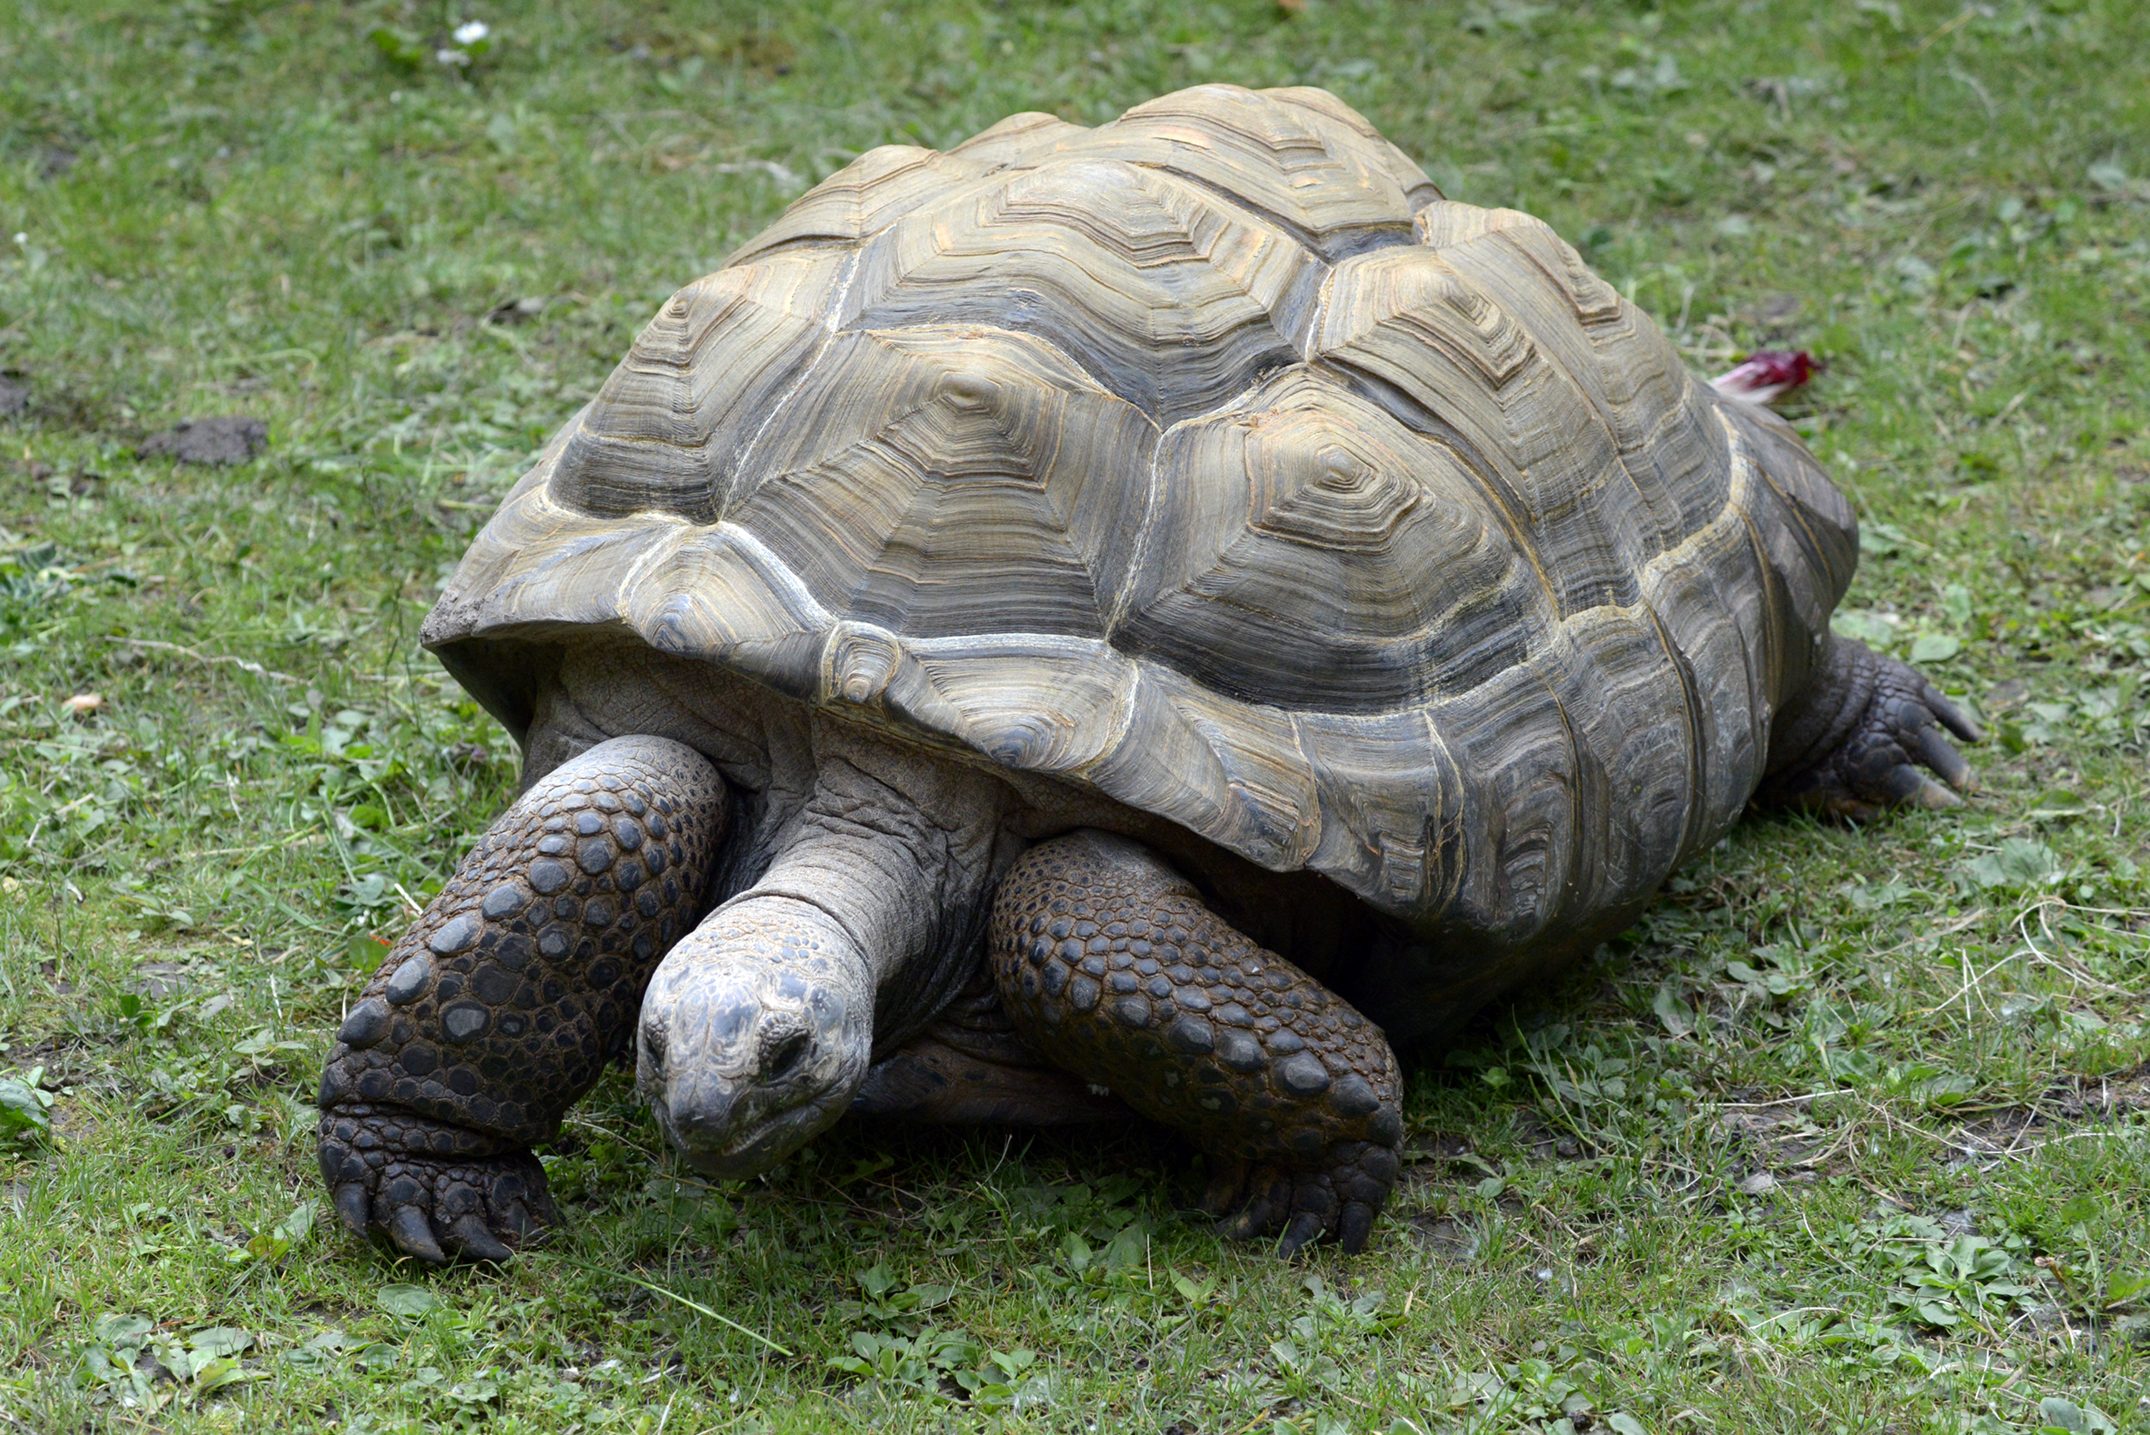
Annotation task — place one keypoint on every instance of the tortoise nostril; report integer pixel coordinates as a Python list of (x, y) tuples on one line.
[(786, 1058)]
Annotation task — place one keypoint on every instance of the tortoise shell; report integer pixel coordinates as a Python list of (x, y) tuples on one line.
[(1211, 460)]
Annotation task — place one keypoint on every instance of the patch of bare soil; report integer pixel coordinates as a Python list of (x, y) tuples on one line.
[(1449, 1237), (227, 439), (2084, 1100)]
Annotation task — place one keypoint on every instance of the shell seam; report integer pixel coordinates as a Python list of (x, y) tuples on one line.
[(833, 306)]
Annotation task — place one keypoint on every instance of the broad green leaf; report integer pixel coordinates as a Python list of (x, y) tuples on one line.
[(21, 1107), (408, 1301), (1934, 648), (2017, 862)]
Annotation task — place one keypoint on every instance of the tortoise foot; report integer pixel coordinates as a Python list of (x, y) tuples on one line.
[(464, 1206), (501, 1004), (1853, 744), (1111, 967), (1336, 1197)]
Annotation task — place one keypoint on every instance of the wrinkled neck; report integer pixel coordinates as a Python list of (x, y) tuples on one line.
[(897, 850)]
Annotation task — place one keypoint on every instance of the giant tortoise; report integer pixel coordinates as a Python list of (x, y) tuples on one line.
[(1145, 617)]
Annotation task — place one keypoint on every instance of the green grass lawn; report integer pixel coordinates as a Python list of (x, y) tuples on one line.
[(1851, 1133)]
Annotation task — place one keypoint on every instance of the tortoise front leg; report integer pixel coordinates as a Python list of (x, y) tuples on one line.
[(1111, 966), (502, 1003)]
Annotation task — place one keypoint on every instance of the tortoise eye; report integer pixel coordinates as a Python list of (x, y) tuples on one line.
[(786, 1058)]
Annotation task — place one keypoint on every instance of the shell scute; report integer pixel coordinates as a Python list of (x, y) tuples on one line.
[(1310, 551), (1709, 594), (951, 480), (1157, 289), (1417, 323), (1398, 838), (1265, 807), (863, 198), (1034, 707), (671, 422), (1304, 166), (1621, 366), (1360, 138), (1019, 140), (719, 595)]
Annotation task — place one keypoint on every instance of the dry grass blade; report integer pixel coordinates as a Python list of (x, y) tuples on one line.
[(694, 1305)]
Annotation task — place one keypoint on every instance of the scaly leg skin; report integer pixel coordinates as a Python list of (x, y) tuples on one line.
[(1110, 966), (502, 1003), (1851, 744)]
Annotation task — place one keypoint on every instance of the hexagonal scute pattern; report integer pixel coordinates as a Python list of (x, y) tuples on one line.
[(1172, 458)]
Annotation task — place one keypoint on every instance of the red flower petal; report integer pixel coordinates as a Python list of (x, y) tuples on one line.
[(1765, 376)]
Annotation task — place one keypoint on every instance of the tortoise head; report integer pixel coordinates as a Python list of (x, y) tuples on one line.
[(759, 1026), (756, 1031)]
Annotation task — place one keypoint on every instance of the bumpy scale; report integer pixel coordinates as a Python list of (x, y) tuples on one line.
[(502, 1003), (1111, 966), (1851, 749)]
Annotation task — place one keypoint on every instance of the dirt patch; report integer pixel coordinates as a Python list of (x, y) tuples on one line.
[(228, 439), (1436, 1148), (59, 407), (2102, 1098), (160, 980), (2086, 1100), (1449, 1237), (14, 397), (515, 311), (1775, 1137), (1547, 1144)]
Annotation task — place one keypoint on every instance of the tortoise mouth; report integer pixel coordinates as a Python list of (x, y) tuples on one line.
[(759, 1148)]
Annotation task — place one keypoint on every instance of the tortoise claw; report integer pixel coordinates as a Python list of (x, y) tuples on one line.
[(471, 1240), (1354, 1226), (1903, 784), (516, 1220), (1908, 787), (353, 1207), (1304, 1228), (1947, 763), (1874, 763), (1223, 1191), (1934, 797), (1338, 1195), (1951, 716), (432, 1208), (412, 1234), (1267, 1200)]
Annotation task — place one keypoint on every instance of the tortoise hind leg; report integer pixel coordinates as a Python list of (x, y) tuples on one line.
[(1110, 966), (1852, 742), (502, 1003)]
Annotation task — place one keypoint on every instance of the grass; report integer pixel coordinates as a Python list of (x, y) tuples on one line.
[(1848, 1134)]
